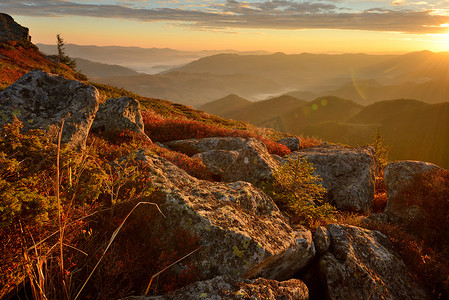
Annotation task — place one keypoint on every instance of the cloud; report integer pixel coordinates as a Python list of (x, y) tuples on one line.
[(233, 14)]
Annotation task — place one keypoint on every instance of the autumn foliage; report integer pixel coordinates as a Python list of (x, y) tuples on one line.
[(161, 129)]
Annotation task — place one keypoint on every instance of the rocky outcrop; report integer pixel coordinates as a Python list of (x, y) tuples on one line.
[(361, 264), (398, 175), (42, 101), (12, 31), (195, 146), (231, 158), (321, 239), (241, 231), (292, 143), (347, 173), (226, 287), (119, 114)]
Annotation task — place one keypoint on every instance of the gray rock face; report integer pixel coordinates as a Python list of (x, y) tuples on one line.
[(241, 231), (292, 143), (12, 31), (41, 100), (226, 287), (251, 163), (361, 264), (195, 146), (348, 174), (321, 239), (119, 114), (231, 158), (398, 175)]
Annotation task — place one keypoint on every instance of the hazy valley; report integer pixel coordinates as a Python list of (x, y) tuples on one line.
[(362, 78)]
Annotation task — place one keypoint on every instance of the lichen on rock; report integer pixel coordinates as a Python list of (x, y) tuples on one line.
[(42, 101), (241, 231)]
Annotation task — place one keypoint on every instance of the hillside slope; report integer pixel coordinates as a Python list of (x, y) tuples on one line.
[(261, 111), (225, 105), (95, 69), (19, 57)]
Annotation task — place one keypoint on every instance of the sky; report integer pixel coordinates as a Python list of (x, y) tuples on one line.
[(324, 26)]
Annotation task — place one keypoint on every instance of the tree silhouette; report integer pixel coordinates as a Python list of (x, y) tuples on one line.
[(62, 57)]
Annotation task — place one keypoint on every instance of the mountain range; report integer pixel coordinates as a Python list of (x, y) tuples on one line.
[(144, 60), (195, 78)]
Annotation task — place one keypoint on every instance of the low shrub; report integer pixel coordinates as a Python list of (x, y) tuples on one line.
[(430, 192), (429, 267), (95, 196), (297, 191)]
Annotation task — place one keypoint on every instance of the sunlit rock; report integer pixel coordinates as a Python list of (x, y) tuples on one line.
[(43, 101)]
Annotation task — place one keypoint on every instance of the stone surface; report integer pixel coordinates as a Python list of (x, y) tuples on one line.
[(195, 146), (321, 239), (42, 101), (348, 174), (292, 143), (226, 287), (241, 231), (119, 114), (398, 175), (12, 31), (251, 163), (361, 264)]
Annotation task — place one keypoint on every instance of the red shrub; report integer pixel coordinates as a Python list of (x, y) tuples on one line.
[(112, 146), (192, 165)]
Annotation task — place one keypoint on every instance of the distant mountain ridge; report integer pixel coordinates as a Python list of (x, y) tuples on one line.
[(137, 58), (362, 78), (193, 88), (95, 69)]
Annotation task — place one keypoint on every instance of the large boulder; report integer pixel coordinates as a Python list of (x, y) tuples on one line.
[(42, 101), (240, 229), (252, 163), (12, 31), (348, 174), (398, 176), (231, 158), (119, 114), (361, 264), (227, 287)]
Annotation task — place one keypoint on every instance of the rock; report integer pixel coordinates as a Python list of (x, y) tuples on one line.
[(348, 174), (321, 239), (231, 158), (240, 229), (251, 163), (226, 287), (292, 143), (119, 114), (12, 31), (398, 175), (195, 146), (42, 101), (361, 264)]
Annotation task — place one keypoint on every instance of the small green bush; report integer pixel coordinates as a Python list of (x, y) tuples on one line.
[(380, 151), (297, 191)]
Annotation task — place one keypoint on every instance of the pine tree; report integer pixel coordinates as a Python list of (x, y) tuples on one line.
[(62, 57)]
